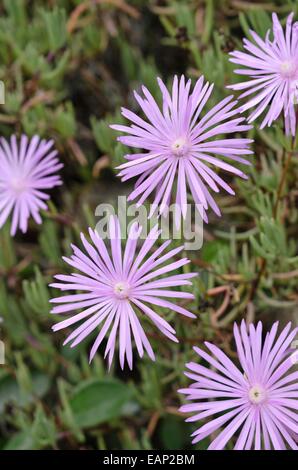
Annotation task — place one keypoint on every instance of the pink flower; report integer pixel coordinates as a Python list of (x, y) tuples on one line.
[(180, 145), (26, 171), (116, 287), (258, 401), (273, 70)]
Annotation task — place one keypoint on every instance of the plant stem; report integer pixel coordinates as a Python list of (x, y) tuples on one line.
[(283, 180)]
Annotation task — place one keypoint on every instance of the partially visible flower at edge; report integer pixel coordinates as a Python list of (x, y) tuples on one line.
[(178, 143), (26, 171), (272, 67), (258, 400), (119, 285)]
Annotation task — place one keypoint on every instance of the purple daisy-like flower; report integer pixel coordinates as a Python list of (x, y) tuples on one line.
[(26, 171), (258, 401), (180, 145), (117, 286), (273, 70)]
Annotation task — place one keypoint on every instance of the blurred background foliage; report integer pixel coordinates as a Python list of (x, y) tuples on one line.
[(68, 66)]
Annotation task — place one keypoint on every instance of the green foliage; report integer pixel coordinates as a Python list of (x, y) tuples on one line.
[(19, 392), (36, 294), (105, 137), (99, 401), (49, 242), (55, 23)]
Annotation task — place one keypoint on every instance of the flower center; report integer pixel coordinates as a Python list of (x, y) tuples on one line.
[(257, 394), (121, 290), (179, 147), (18, 185), (288, 69)]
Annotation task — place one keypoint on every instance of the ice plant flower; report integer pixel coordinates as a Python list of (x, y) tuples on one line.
[(181, 146), (272, 68), (118, 289), (258, 401), (27, 170)]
